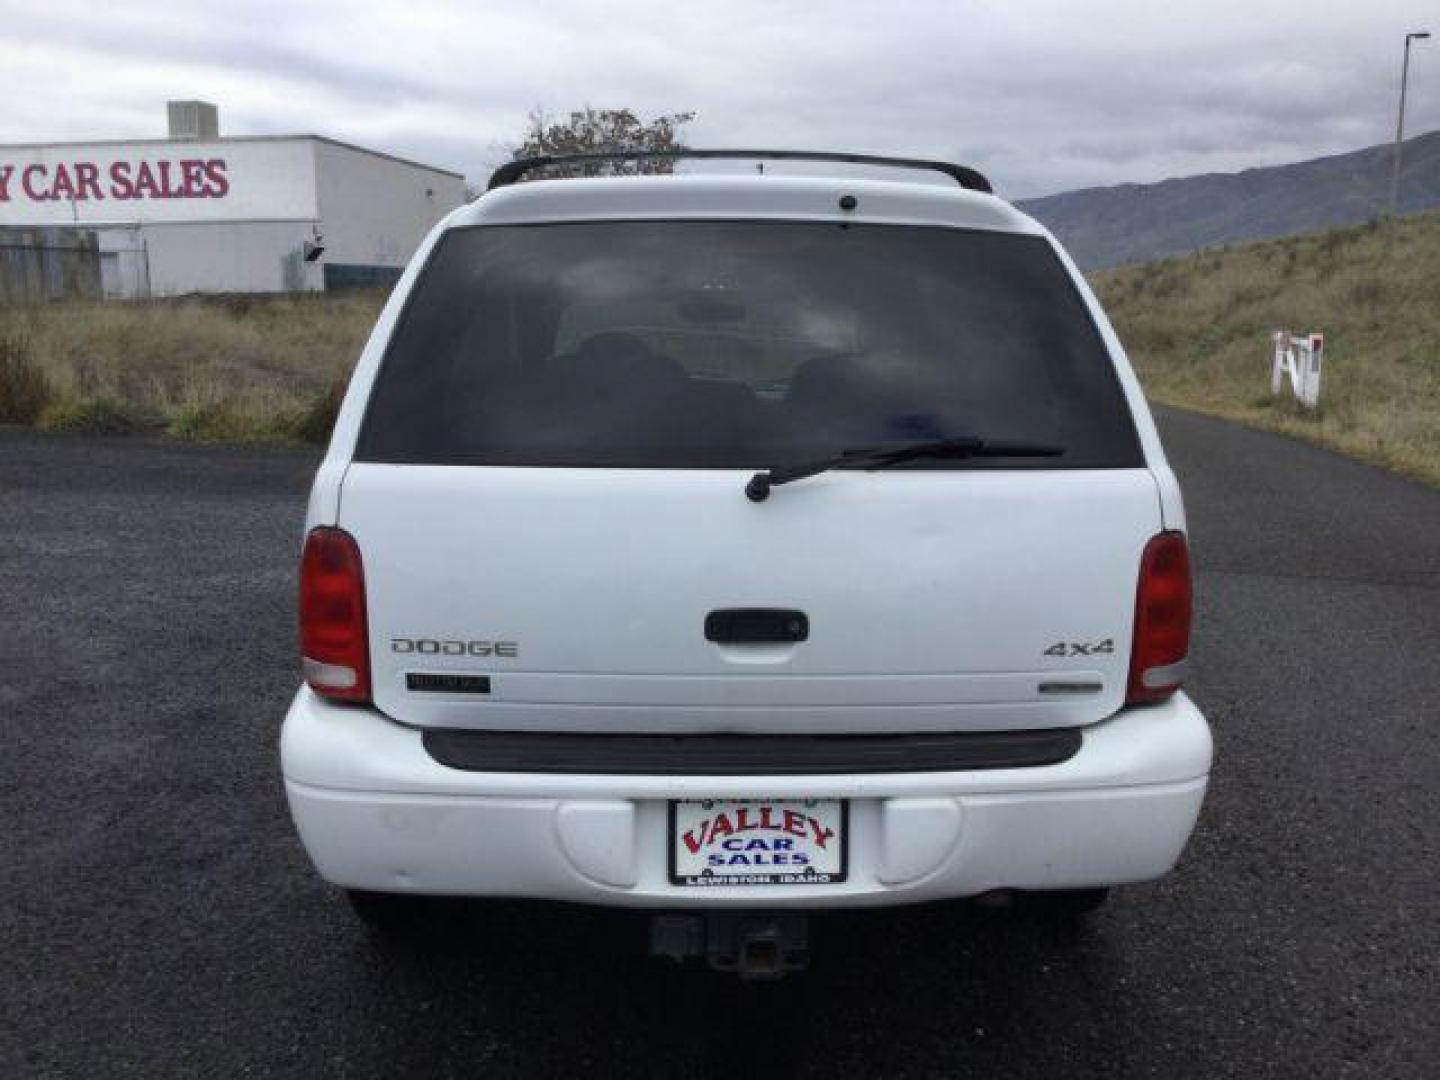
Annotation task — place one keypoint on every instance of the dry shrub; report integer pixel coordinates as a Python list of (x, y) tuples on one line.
[(315, 423), (24, 390), (95, 416)]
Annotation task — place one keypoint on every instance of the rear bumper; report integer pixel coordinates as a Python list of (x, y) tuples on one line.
[(375, 811)]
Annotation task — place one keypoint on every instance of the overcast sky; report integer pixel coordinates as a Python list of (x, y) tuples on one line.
[(1044, 96)]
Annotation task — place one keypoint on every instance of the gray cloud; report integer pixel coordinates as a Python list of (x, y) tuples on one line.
[(1045, 95)]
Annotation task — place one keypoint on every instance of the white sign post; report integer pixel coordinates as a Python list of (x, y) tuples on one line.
[(1300, 357)]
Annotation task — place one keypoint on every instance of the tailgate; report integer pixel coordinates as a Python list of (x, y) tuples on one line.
[(577, 599)]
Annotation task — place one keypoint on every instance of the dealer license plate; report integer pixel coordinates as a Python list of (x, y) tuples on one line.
[(758, 841)]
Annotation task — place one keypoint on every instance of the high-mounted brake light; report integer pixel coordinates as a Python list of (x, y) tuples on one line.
[(334, 640), (1163, 604)]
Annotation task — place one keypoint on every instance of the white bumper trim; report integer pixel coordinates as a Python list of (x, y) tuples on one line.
[(376, 812)]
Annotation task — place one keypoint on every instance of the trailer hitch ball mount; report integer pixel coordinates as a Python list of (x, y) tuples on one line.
[(751, 944)]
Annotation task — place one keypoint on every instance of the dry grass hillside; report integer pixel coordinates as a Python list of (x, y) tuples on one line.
[(1198, 330), (237, 368), (1132, 223)]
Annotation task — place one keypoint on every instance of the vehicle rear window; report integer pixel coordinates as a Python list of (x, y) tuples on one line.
[(741, 344)]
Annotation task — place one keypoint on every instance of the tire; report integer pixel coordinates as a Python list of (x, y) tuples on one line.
[(390, 914), (1063, 905)]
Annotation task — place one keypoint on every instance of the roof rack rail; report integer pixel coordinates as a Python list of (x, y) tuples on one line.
[(963, 175)]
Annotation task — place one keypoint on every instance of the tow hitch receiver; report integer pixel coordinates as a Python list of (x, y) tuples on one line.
[(752, 944)]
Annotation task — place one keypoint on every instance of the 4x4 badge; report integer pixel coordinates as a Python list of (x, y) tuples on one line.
[(1081, 648)]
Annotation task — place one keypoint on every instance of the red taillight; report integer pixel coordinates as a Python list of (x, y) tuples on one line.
[(1162, 620), (334, 641)]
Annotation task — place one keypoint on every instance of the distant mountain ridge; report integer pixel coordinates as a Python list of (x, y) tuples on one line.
[(1111, 226)]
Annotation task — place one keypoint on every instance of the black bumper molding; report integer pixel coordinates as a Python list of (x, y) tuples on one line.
[(747, 755)]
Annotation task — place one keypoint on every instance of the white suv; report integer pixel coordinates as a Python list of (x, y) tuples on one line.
[(743, 542)]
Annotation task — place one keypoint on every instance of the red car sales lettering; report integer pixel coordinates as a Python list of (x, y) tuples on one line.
[(738, 836), (86, 181)]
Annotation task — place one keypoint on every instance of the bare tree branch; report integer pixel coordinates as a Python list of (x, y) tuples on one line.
[(596, 131)]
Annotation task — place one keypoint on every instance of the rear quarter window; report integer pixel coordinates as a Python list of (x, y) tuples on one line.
[(742, 344)]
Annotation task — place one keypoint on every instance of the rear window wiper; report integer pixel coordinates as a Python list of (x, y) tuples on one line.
[(882, 457)]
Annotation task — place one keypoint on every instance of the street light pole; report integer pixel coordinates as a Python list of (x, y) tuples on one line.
[(1419, 35)]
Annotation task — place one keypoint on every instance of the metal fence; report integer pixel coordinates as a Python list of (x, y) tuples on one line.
[(124, 264), (48, 264)]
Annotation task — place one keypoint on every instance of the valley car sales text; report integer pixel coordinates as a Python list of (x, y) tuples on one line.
[(85, 181), (742, 850)]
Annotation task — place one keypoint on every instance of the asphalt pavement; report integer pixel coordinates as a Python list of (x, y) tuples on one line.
[(159, 918)]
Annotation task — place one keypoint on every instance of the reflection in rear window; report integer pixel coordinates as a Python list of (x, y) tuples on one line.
[(740, 345)]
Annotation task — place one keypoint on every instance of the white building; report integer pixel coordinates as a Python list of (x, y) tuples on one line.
[(198, 213)]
